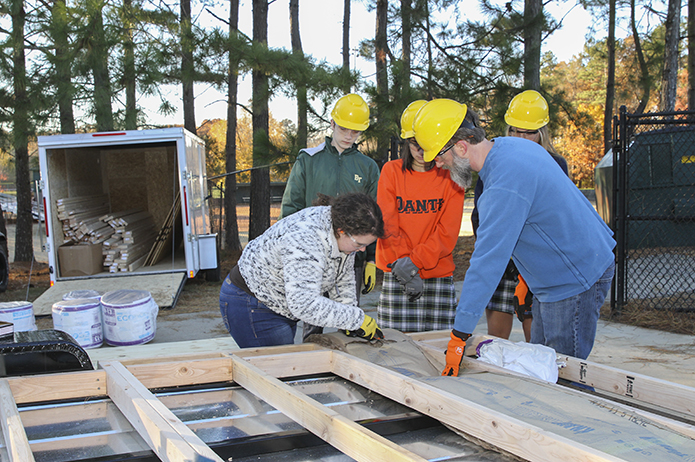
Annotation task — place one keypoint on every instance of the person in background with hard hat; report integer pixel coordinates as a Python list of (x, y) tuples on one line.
[(301, 268), (526, 117), (422, 210), (337, 167), (532, 212)]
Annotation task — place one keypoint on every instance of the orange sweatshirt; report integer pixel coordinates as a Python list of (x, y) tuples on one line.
[(422, 218)]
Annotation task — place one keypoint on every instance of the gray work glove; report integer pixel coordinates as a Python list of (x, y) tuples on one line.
[(406, 273)]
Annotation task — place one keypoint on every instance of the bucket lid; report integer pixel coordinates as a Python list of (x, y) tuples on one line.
[(12, 306), (86, 293), (77, 304), (125, 297)]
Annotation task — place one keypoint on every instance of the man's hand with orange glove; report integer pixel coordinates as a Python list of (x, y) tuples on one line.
[(523, 298), (454, 352)]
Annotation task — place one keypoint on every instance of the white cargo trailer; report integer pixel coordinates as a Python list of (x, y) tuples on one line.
[(132, 172)]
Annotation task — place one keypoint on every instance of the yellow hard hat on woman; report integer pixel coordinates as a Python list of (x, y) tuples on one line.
[(351, 112), (408, 117), (528, 110), (435, 124)]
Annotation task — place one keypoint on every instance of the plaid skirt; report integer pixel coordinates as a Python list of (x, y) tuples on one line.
[(435, 310), (503, 298)]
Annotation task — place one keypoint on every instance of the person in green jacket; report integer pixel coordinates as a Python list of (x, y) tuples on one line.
[(337, 167)]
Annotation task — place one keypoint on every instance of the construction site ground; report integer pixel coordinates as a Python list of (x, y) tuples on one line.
[(667, 353)]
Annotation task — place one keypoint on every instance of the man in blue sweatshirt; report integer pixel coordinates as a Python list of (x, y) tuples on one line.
[(532, 212)]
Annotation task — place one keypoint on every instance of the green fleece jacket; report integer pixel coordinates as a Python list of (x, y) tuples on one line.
[(323, 170)]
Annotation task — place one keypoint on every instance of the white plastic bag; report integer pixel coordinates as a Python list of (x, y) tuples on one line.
[(530, 359)]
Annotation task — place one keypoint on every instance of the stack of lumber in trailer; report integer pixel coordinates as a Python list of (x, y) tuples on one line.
[(133, 235), (81, 218), (527, 418)]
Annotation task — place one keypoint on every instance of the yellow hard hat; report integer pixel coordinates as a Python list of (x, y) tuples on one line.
[(528, 110), (408, 117), (435, 124), (352, 112)]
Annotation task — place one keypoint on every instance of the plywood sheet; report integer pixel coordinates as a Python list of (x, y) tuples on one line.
[(164, 288)]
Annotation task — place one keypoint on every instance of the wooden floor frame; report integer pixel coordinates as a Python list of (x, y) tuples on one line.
[(128, 384)]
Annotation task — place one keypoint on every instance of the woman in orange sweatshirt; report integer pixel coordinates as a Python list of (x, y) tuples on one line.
[(422, 209)]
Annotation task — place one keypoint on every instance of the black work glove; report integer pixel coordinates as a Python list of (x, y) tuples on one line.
[(406, 273), (523, 298)]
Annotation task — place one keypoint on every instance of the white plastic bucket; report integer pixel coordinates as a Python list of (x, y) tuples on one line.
[(81, 294), (21, 314), (81, 318), (130, 317)]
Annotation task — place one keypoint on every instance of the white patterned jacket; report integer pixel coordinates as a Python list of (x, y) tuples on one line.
[(295, 262)]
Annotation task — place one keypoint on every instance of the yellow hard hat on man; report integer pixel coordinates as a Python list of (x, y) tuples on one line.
[(435, 123), (351, 112)]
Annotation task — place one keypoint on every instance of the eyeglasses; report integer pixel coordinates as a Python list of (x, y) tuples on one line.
[(522, 132), (444, 151), (357, 244)]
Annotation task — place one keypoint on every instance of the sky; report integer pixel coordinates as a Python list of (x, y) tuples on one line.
[(320, 23)]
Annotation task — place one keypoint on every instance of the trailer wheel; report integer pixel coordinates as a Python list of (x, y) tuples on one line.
[(4, 269)]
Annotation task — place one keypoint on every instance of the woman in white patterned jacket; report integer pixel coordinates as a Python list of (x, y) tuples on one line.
[(302, 268)]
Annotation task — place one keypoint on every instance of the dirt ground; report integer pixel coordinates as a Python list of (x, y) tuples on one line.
[(27, 282)]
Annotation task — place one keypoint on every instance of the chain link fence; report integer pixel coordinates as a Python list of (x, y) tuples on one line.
[(654, 211)]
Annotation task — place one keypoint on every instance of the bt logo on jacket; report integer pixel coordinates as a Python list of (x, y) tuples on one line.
[(419, 205)]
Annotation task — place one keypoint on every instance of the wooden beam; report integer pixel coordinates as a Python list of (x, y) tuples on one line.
[(294, 364), (669, 395), (507, 433), (340, 432), (180, 373), (164, 433), (52, 387), (16, 440)]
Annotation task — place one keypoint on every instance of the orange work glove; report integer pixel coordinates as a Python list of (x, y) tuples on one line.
[(454, 352), (523, 298)]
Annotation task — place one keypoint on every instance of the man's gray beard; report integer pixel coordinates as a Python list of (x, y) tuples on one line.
[(461, 172)]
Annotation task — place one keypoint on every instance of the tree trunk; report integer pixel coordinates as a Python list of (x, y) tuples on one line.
[(406, 12), (231, 225), (645, 79), (23, 250), (533, 26), (302, 101), (99, 60), (669, 79), (131, 113), (610, 81), (691, 55), (346, 40), (187, 67), (63, 61), (382, 77), (259, 219), (430, 63)]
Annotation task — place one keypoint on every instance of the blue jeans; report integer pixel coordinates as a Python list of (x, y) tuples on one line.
[(569, 326), (250, 322)]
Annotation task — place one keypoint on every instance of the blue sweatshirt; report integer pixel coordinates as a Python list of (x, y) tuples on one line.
[(532, 212)]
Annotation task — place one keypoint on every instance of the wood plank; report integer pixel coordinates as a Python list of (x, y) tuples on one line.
[(507, 433), (164, 433), (669, 395), (293, 364), (340, 432), (16, 441), (51, 387), (180, 373)]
